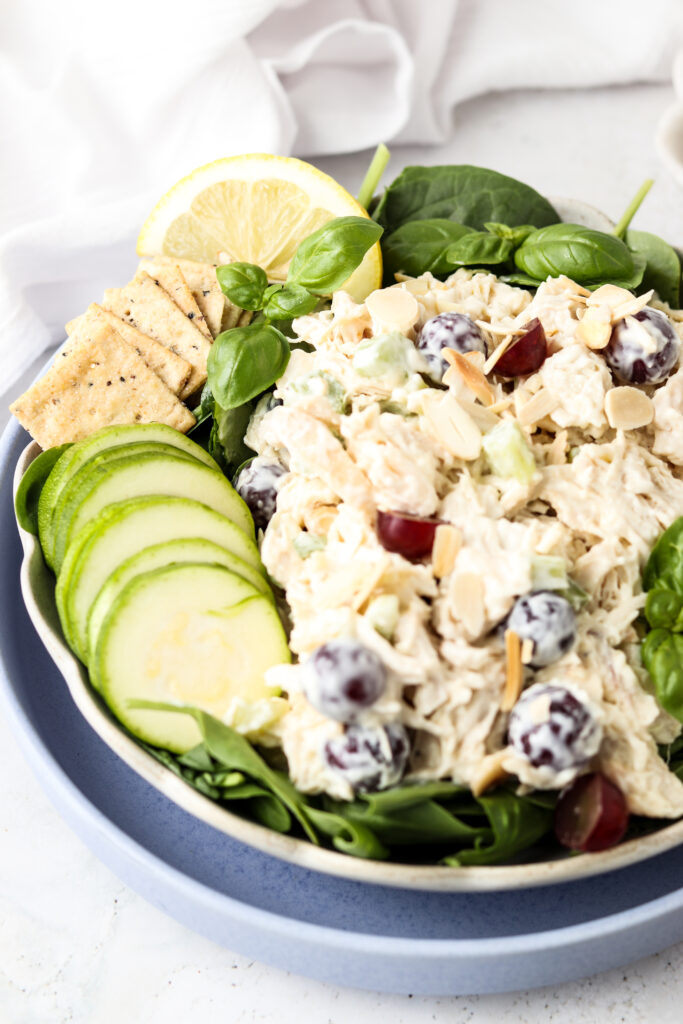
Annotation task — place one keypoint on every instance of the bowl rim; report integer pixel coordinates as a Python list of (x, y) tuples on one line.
[(36, 583)]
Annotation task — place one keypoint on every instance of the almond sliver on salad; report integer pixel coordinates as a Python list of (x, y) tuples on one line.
[(408, 579)]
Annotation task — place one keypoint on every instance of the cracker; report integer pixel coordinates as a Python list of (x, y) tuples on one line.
[(170, 368), (170, 277), (201, 280), (144, 304), (97, 381)]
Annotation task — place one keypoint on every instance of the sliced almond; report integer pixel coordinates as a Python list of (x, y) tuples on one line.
[(541, 405), (501, 329), (472, 376), (450, 424), (467, 595), (490, 772), (392, 309), (609, 295), (628, 408), (499, 351), (632, 305), (527, 651), (514, 676), (447, 544), (594, 334)]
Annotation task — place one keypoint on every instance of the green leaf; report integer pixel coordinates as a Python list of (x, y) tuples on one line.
[(516, 823), (514, 235), (420, 246), (479, 248), (245, 361), (32, 483), (662, 653), (521, 280), (348, 836), (662, 265), (664, 610), (233, 751), (664, 567), (284, 302), (586, 256), (462, 193), (326, 259), (243, 283), (226, 443)]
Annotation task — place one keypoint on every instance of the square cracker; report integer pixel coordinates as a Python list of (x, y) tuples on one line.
[(170, 368), (144, 304), (170, 277), (201, 280), (97, 381)]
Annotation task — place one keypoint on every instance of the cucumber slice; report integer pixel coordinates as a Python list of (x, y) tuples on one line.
[(82, 451), (159, 555), (97, 485), (186, 634), (31, 487), (123, 530)]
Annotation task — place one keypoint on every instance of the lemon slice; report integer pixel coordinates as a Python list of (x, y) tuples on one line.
[(256, 208)]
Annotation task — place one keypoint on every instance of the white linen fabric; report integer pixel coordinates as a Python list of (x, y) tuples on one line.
[(104, 108)]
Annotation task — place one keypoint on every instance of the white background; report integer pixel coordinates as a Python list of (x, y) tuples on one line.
[(78, 946)]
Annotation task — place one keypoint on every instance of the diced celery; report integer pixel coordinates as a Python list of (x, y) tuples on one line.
[(306, 543), (319, 382), (382, 614), (508, 452), (548, 572), (389, 356)]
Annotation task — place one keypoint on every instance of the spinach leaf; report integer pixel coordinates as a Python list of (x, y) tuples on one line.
[(204, 410), (521, 280), (462, 193), (420, 246), (514, 235), (32, 483), (662, 267), (245, 361), (243, 283), (664, 610), (348, 836), (328, 257), (516, 823), (226, 441), (662, 654), (373, 175), (234, 752), (586, 256), (664, 567), (284, 302), (479, 248)]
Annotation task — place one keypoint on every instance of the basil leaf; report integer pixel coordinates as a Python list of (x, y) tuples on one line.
[(284, 302), (664, 610), (664, 567), (245, 361), (235, 752), (462, 193), (420, 246), (514, 235), (32, 483), (584, 255), (204, 410), (662, 654), (662, 268), (479, 248), (243, 283), (516, 824), (326, 259)]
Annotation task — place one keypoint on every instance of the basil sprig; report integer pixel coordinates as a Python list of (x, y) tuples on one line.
[(245, 361), (662, 650), (587, 256)]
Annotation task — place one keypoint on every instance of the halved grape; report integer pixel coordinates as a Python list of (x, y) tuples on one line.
[(403, 534), (591, 814), (526, 355)]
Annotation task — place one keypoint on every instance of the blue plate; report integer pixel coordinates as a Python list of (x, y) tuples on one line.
[(343, 932)]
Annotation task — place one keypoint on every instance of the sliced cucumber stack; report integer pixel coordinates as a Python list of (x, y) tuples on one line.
[(160, 586), (186, 634)]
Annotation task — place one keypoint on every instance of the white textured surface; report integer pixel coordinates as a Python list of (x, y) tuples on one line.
[(78, 946)]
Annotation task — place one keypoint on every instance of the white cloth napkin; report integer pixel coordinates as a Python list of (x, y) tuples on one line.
[(105, 106)]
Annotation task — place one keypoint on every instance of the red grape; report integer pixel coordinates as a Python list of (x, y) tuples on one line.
[(526, 355), (410, 536), (591, 814)]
